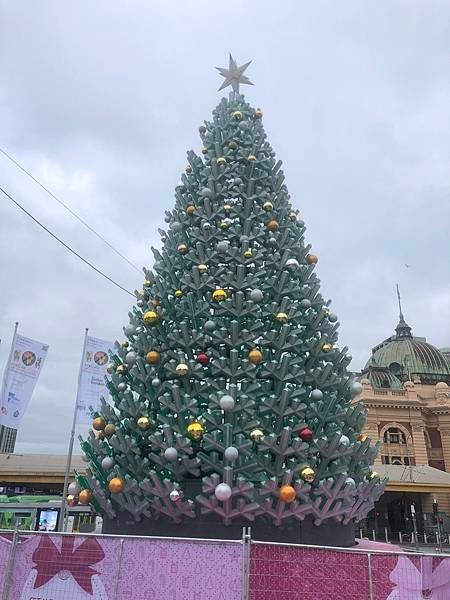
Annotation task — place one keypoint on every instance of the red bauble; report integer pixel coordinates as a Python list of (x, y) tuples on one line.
[(306, 435), (203, 358)]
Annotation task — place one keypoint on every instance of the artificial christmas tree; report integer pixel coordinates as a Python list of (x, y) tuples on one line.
[(232, 401)]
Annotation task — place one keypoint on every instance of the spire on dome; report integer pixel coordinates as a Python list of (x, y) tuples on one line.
[(402, 329)]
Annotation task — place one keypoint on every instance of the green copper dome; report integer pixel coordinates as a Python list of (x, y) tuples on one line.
[(406, 356)]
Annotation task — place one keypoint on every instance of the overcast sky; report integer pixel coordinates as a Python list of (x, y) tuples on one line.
[(101, 100)]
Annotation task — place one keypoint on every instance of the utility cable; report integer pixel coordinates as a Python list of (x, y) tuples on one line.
[(73, 213), (64, 244)]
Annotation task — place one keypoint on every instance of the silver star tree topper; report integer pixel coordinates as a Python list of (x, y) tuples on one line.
[(234, 75)]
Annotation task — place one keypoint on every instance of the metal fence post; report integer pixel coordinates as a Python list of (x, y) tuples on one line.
[(119, 568), (369, 570), (246, 541), (386, 535), (10, 565)]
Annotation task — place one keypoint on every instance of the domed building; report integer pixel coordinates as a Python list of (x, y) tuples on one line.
[(406, 390)]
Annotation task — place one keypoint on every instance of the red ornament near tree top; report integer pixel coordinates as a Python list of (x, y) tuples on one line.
[(306, 435), (202, 358)]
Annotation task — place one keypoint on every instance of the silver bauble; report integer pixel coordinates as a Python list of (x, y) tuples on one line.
[(210, 326), (156, 382), (171, 454), (237, 181), (74, 488), (175, 495), (107, 463), (301, 223), (139, 329), (206, 225), (130, 358), (332, 318), (122, 386), (305, 303), (244, 238), (222, 492), (292, 264), (344, 441), (256, 295), (231, 453), (272, 241), (140, 303), (129, 330), (243, 125), (176, 226), (222, 247), (316, 395), (356, 388), (351, 482), (85, 458), (227, 402), (206, 193)]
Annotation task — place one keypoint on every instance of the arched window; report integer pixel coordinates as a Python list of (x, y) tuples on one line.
[(394, 435)]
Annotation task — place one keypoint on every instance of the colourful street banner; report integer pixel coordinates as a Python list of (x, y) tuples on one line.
[(20, 377), (91, 381)]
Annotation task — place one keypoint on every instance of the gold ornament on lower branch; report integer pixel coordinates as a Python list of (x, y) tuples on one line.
[(195, 431), (143, 423), (85, 496), (256, 435), (308, 474), (116, 485)]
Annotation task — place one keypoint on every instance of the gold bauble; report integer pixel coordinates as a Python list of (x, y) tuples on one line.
[(248, 253), (155, 302), (150, 317), (311, 259), (224, 225), (178, 293), (219, 295), (100, 435), (111, 368), (109, 430), (190, 209), (327, 347), (188, 169), (143, 423), (98, 424), (251, 157), (182, 248), (372, 475), (255, 356), (308, 474), (202, 268), (147, 283), (232, 145), (256, 435), (272, 225), (326, 311), (204, 150), (221, 161), (268, 206), (292, 216), (85, 496), (287, 493), (195, 430), (152, 357), (116, 485), (125, 344), (282, 317), (362, 438), (121, 370), (227, 207), (182, 369), (237, 115), (258, 113)]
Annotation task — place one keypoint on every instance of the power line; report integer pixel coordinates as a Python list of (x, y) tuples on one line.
[(64, 244), (73, 213)]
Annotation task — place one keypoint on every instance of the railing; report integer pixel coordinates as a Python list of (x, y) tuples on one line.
[(38, 566)]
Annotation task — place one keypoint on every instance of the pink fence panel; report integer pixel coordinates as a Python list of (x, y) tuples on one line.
[(74, 567), (180, 570), (301, 573), (5, 547)]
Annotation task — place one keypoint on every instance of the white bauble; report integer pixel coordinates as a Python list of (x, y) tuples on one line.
[(227, 403), (231, 453), (107, 463), (222, 492), (74, 488), (171, 454)]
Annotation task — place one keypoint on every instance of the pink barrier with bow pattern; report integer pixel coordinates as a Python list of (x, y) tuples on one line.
[(76, 567)]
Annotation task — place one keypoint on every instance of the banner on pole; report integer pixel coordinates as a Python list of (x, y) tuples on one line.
[(91, 383), (21, 374)]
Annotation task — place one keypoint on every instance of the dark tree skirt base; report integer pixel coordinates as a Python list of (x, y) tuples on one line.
[(211, 527)]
